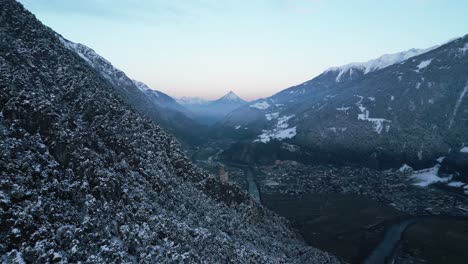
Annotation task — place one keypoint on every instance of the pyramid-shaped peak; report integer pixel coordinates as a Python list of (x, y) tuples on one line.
[(231, 96)]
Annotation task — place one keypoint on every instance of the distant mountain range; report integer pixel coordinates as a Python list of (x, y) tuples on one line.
[(187, 117), (186, 100), (209, 112), (408, 107)]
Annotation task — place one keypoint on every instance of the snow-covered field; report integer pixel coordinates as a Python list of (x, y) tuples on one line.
[(261, 105), (429, 176), (377, 123), (281, 131)]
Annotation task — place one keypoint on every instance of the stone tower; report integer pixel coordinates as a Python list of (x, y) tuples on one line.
[(223, 175)]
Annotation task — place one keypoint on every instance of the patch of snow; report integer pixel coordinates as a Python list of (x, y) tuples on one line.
[(289, 147), (456, 184), (440, 160), (377, 123), (283, 121), (237, 127), (57, 256), (392, 98), (457, 105), (420, 154), (37, 167), (427, 177), (271, 183), (418, 85), (260, 105), (405, 168), (271, 116), (4, 198), (276, 134), (464, 150), (281, 131), (19, 258), (371, 98), (424, 64), (343, 108), (465, 48), (377, 64)]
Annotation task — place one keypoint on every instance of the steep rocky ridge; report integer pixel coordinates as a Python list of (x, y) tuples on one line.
[(156, 105), (86, 178)]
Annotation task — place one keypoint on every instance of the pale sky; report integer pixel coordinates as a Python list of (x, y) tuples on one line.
[(254, 47)]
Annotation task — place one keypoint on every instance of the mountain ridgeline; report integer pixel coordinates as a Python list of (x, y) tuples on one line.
[(409, 107), (156, 105), (210, 112), (86, 177)]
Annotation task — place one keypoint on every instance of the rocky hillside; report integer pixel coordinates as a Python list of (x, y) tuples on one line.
[(154, 104), (401, 108), (85, 178)]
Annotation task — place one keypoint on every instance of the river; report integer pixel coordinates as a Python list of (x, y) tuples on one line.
[(253, 188), (384, 251)]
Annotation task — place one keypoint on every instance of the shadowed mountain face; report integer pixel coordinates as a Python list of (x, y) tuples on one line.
[(86, 178), (402, 108), (161, 100), (210, 112)]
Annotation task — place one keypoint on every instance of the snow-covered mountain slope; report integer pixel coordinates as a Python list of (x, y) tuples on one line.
[(376, 64), (154, 104), (161, 99), (85, 178), (412, 111), (210, 112), (230, 97)]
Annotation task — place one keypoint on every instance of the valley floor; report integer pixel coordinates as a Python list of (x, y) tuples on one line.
[(349, 210)]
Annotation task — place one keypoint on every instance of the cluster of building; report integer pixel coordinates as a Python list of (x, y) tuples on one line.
[(390, 187)]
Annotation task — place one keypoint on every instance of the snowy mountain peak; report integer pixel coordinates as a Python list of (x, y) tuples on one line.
[(142, 86), (377, 64), (231, 96)]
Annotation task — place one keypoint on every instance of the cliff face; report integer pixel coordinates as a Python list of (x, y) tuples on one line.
[(84, 177)]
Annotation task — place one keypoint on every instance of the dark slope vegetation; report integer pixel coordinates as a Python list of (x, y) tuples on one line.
[(84, 177)]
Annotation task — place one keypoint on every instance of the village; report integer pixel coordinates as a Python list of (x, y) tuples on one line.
[(392, 187)]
